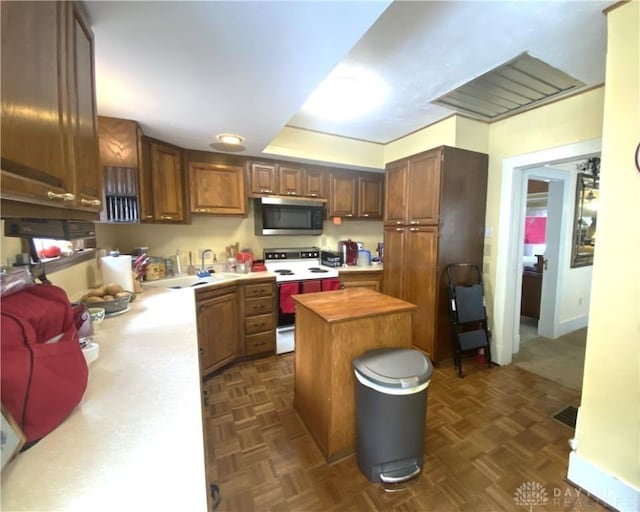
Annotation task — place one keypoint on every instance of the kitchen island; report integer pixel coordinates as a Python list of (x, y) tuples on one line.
[(333, 328)]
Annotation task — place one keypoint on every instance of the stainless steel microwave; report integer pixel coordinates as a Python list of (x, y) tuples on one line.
[(284, 216)]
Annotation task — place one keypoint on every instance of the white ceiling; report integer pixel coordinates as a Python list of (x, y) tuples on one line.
[(187, 71)]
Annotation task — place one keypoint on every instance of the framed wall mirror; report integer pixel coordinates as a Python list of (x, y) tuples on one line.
[(586, 214)]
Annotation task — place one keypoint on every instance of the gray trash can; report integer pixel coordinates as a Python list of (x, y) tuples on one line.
[(391, 400)]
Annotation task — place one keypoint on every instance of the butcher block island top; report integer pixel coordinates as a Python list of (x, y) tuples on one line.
[(351, 303), (332, 329)]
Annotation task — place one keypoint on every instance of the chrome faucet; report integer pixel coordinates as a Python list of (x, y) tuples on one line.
[(204, 253)]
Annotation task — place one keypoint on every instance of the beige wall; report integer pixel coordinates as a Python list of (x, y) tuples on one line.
[(576, 119), (321, 147), (438, 134), (216, 232), (608, 431)]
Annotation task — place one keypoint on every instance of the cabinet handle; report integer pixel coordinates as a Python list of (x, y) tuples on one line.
[(166, 217), (148, 217), (398, 222), (292, 193), (399, 229), (313, 195), (201, 209), (265, 190), (415, 222), (349, 215), (200, 351), (413, 229), (365, 214), (91, 202), (66, 196)]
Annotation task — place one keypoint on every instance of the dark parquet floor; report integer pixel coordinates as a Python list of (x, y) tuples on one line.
[(487, 435)]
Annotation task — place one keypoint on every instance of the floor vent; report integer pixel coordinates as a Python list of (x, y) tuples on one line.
[(567, 416)]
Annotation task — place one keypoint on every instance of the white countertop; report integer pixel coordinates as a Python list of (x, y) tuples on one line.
[(135, 442)]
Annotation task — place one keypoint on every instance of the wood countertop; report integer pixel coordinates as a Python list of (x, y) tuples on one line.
[(351, 303)]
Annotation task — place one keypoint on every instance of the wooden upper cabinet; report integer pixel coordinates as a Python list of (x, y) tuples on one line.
[(315, 181), (217, 188), (423, 191), (356, 194), (343, 190), (263, 178), (33, 101), (413, 190), (145, 190), (83, 113), (118, 142), (49, 127), (395, 205), (370, 195), (291, 181), (166, 177), (286, 180)]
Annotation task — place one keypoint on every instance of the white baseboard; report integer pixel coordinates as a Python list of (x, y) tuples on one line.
[(571, 325), (607, 488)]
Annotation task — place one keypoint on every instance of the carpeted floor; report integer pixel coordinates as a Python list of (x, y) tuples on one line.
[(560, 360)]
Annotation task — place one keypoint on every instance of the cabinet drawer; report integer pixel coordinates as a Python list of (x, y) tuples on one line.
[(259, 323), (258, 306), (259, 343), (258, 290)]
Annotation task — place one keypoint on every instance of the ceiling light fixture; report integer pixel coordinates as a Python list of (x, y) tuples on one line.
[(347, 93), (229, 142)]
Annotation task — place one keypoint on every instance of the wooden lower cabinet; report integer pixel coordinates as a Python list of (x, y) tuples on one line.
[(235, 320), (259, 314), (371, 279), (218, 333), (410, 273)]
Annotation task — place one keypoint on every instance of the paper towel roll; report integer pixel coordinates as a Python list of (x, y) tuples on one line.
[(117, 269)]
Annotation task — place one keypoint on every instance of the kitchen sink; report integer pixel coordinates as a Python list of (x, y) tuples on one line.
[(190, 281)]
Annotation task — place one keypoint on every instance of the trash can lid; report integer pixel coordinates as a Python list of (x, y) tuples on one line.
[(394, 367)]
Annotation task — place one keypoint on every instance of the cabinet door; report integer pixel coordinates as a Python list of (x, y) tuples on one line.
[(423, 191), (166, 175), (145, 188), (218, 331), (395, 190), (290, 181), (420, 283), (118, 142), (83, 113), (370, 195), (394, 261), (364, 279), (343, 199), (216, 188), (263, 178), (33, 103), (316, 183)]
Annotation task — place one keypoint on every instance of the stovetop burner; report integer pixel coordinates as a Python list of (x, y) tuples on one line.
[(317, 270), (284, 272)]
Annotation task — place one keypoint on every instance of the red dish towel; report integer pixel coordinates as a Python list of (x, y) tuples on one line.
[(330, 284), (287, 305), (311, 286)]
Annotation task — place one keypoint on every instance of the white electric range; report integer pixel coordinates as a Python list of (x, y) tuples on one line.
[(299, 270)]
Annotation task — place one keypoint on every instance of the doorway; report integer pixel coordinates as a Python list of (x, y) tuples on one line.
[(515, 175)]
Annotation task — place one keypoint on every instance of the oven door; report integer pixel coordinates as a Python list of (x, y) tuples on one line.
[(285, 331)]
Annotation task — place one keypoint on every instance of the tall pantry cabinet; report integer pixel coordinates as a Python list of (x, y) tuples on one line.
[(434, 213)]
